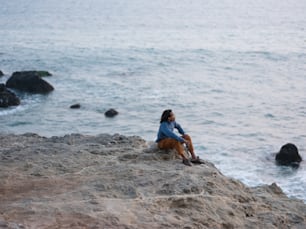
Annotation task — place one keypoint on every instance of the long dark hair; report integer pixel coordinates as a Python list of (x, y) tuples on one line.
[(165, 115)]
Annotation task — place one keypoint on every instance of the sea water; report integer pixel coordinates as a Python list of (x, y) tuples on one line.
[(233, 71)]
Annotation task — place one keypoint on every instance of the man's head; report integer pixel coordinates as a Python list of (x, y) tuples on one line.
[(168, 116)]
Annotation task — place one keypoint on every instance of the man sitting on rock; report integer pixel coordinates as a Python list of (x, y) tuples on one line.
[(167, 139)]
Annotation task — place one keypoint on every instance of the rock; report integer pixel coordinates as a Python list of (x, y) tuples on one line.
[(7, 97), (29, 81), (1, 73), (111, 113), (75, 106), (288, 155), (115, 181)]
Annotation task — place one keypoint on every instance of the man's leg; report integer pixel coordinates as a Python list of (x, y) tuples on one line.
[(190, 146), (169, 143), (194, 159)]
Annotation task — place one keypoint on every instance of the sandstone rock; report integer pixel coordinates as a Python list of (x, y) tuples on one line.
[(7, 97), (288, 155), (115, 181), (29, 81)]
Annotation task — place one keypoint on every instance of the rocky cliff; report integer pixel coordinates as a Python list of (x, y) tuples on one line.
[(114, 181)]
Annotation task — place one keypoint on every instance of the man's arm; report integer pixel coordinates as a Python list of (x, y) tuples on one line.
[(179, 128), (165, 130)]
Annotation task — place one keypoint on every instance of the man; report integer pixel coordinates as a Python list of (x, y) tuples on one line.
[(167, 139)]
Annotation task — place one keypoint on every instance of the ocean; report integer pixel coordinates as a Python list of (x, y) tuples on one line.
[(233, 72)]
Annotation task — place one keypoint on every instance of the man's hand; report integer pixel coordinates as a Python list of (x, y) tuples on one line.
[(187, 143)]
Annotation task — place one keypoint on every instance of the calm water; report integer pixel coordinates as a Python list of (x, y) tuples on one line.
[(233, 71)]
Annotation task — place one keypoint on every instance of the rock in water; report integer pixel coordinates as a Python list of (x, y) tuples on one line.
[(75, 106), (111, 113), (288, 155), (29, 81), (7, 98)]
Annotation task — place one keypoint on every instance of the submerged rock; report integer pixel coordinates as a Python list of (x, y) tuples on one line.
[(115, 181), (288, 155), (7, 97), (29, 81)]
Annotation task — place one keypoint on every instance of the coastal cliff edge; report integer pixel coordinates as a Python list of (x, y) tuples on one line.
[(116, 181)]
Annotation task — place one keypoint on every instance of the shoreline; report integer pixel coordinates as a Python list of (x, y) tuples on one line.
[(116, 181)]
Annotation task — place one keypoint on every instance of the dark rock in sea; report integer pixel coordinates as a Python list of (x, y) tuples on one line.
[(29, 81), (1, 73), (111, 113), (75, 106), (7, 98), (288, 155)]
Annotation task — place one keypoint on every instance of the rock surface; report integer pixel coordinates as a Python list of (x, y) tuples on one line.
[(114, 181)]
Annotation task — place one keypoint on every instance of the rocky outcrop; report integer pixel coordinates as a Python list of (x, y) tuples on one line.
[(29, 81), (114, 181), (288, 155), (7, 97)]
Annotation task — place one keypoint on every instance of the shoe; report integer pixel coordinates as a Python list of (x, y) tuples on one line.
[(186, 162), (197, 161)]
